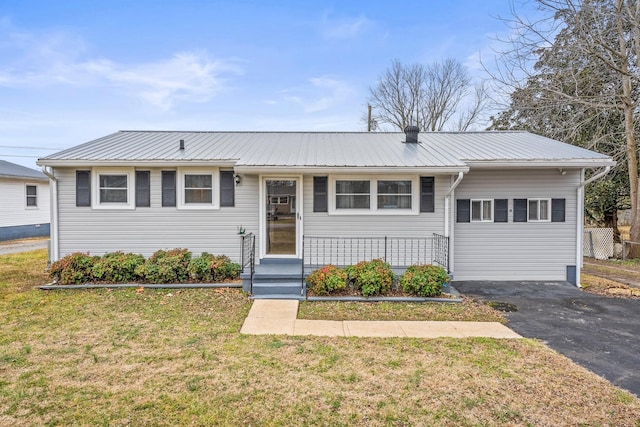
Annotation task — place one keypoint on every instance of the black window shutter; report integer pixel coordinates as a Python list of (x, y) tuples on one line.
[(427, 194), (168, 188), (557, 210), (519, 210), (320, 195), (143, 189), (463, 210), (83, 188), (227, 189), (501, 210)]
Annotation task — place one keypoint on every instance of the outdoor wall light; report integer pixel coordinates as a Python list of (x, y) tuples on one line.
[(237, 179)]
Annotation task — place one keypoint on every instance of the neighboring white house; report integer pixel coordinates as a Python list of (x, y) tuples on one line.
[(509, 204), (24, 210)]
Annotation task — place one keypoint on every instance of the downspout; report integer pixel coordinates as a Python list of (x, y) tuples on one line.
[(54, 253), (447, 202), (580, 218)]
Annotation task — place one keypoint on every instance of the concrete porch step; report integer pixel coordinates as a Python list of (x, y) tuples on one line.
[(277, 288)]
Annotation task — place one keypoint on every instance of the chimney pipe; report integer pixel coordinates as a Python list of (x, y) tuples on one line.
[(182, 144), (412, 134)]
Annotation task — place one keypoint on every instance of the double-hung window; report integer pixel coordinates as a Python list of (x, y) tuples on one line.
[(539, 210), (353, 194), (481, 210), (394, 194), (198, 188), (113, 188), (31, 196)]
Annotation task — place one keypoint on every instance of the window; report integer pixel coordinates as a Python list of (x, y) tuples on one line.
[(353, 194), (198, 189), (279, 200), (113, 188), (481, 210), (539, 210), (32, 196), (427, 194), (394, 194)]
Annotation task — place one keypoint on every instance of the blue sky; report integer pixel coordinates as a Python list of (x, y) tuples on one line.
[(72, 71)]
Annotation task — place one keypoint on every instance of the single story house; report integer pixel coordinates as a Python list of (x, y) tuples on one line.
[(508, 205), (24, 211)]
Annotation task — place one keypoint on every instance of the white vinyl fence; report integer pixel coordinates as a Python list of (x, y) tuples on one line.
[(598, 243)]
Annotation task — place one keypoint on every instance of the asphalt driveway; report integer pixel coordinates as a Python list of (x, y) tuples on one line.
[(600, 333)]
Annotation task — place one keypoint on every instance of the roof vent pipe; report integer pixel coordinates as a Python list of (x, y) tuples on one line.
[(412, 134), (182, 144)]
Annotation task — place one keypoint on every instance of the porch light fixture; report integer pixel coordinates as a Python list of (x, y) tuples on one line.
[(237, 179)]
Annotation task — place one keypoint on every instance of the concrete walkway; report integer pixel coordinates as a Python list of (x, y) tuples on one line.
[(279, 317)]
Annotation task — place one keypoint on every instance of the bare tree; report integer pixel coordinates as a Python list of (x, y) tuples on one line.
[(427, 96), (593, 48)]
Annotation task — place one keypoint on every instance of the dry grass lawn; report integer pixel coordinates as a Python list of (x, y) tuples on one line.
[(168, 358)]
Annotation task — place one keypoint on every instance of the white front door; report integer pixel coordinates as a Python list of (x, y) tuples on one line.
[(281, 217)]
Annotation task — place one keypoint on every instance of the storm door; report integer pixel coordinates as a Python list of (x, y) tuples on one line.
[(281, 222)]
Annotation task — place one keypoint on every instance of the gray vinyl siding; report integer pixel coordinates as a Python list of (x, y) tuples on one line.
[(13, 208), (327, 225), (146, 229), (516, 251)]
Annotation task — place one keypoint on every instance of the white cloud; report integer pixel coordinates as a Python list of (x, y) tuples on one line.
[(346, 28), (58, 58), (322, 94)]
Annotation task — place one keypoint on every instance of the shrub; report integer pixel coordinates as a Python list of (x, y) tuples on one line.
[(166, 266), (371, 277), (424, 280), (117, 267), (74, 269), (207, 268), (327, 279)]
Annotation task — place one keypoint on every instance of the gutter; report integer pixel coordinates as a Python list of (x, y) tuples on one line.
[(53, 246), (580, 218)]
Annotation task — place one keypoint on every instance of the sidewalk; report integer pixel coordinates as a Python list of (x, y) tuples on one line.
[(278, 317)]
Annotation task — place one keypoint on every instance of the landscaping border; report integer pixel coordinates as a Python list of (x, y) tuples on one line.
[(450, 290), (53, 286)]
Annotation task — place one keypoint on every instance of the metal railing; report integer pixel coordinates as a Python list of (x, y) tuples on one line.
[(248, 256), (399, 252)]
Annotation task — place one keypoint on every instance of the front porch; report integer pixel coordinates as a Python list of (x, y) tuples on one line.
[(283, 278)]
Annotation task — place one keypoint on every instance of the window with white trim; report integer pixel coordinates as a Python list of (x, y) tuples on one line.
[(482, 210), (539, 210), (279, 200), (394, 194), (113, 188), (389, 195), (31, 192), (197, 188), (353, 194)]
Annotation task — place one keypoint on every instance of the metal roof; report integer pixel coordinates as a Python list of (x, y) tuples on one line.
[(11, 170), (446, 151)]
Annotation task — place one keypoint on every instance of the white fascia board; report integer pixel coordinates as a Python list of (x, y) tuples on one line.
[(348, 170), (518, 164), (135, 163)]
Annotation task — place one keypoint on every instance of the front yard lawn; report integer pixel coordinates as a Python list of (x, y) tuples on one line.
[(167, 358)]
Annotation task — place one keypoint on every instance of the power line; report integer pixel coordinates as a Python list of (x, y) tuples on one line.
[(29, 148)]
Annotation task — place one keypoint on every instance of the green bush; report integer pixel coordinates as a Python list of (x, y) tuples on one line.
[(73, 269), (117, 267), (371, 277), (327, 279), (166, 267), (424, 280), (208, 268)]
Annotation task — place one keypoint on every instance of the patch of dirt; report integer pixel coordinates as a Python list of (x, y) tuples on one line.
[(607, 287)]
